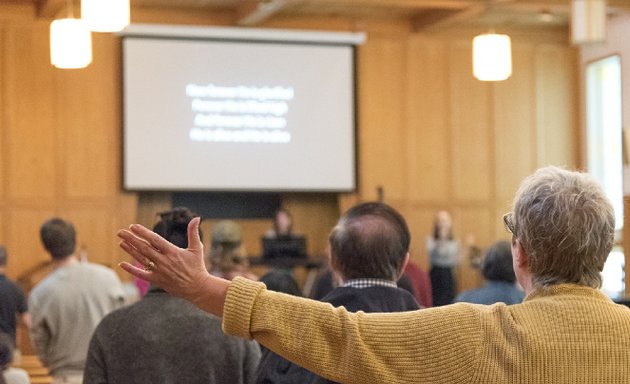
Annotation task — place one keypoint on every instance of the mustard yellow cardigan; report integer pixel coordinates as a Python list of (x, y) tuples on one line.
[(562, 334)]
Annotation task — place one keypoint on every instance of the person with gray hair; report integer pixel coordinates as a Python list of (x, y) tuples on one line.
[(565, 331), (368, 250), (500, 279)]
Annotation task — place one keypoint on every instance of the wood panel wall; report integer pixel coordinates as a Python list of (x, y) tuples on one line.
[(430, 135), (59, 145), (435, 138)]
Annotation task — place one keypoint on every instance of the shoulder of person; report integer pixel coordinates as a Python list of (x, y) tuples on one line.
[(102, 270), (16, 376)]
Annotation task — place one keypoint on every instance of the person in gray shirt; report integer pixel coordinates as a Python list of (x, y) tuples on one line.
[(69, 303), (163, 339)]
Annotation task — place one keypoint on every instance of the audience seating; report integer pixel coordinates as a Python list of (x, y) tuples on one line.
[(35, 369)]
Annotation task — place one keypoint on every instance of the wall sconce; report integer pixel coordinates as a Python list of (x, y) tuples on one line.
[(492, 57), (588, 21), (70, 44), (105, 15)]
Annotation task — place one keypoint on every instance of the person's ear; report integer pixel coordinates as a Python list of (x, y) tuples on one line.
[(521, 258), (403, 266), (332, 261)]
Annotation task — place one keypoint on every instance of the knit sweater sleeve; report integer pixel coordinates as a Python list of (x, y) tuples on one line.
[(438, 345)]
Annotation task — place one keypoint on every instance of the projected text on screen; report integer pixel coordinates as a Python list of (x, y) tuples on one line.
[(239, 114)]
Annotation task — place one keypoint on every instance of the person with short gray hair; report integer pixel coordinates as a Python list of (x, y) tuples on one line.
[(565, 331), (565, 224)]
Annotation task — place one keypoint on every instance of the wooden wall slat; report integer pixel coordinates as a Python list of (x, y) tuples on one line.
[(3, 113), (382, 134), (428, 120), (471, 126), (31, 157), (89, 116), (23, 242), (514, 124), (556, 99), (93, 234)]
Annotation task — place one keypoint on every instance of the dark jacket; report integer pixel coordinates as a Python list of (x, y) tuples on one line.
[(274, 369)]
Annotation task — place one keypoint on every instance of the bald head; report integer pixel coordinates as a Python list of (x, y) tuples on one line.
[(371, 240)]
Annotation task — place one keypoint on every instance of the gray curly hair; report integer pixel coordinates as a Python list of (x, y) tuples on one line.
[(566, 226)]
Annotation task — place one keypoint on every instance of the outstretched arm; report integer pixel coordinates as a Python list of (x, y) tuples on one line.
[(436, 345), (181, 272)]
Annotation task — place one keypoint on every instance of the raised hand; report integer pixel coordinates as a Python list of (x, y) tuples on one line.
[(181, 272)]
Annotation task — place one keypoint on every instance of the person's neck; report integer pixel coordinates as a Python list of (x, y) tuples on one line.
[(65, 262)]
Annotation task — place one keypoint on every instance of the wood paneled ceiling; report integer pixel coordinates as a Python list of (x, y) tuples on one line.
[(426, 14)]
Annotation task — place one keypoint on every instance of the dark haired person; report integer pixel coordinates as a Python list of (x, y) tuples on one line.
[(565, 331), (12, 301), (9, 375), (282, 225), (164, 339), (368, 250), (498, 272), (444, 255), (69, 303)]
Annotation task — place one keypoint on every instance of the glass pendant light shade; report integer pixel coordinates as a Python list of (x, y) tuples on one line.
[(492, 57), (70, 44), (105, 15)]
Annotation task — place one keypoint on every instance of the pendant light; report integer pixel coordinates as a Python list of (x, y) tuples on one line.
[(492, 57), (70, 42)]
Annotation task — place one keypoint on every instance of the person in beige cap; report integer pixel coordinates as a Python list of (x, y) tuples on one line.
[(227, 254)]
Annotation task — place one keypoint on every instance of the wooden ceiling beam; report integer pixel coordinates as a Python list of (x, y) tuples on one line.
[(50, 9), (253, 13), (402, 4), (447, 20)]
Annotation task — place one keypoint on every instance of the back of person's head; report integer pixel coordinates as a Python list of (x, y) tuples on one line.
[(6, 351), (281, 281), (173, 226), (226, 253), (371, 240), (566, 226), (226, 234), (497, 264), (3, 256), (58, 237)]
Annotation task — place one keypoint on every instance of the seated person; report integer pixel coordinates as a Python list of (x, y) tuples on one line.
[(164, 339), (227, 254), (500, 285), (10, 375), (369, 248)]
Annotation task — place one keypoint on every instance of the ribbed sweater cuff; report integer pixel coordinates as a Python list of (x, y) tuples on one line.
[(238, 307)]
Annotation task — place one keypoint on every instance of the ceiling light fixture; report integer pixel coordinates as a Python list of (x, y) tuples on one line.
[(492, 57), (70, 42)]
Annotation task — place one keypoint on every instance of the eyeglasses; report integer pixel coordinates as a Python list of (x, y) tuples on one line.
[(508, 220)]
